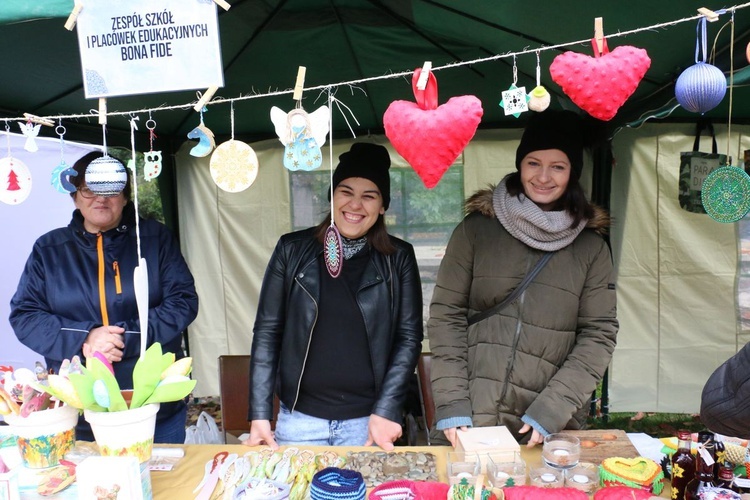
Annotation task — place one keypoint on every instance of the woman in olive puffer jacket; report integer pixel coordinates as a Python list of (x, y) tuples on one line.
[(534, 365)]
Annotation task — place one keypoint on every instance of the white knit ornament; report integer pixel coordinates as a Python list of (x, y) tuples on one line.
[(106, 176)]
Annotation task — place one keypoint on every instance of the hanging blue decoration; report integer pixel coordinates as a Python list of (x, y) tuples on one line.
[(702, 86)]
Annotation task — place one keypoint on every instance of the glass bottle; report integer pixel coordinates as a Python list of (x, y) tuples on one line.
[(726, 478), (683, 465), (720, 454), (704, 470)]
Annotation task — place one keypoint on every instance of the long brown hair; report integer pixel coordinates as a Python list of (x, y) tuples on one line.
[(572, 201), (377, 236)]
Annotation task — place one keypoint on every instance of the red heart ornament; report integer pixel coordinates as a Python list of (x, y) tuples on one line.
[(600, 85), (430, 137)]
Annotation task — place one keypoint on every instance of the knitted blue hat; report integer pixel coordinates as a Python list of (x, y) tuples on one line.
[(333, 483)]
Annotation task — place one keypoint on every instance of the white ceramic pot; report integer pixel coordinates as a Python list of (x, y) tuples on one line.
[(44, 436), (124, 433)]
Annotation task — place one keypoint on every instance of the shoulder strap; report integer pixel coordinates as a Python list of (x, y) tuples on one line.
[(515, 293)]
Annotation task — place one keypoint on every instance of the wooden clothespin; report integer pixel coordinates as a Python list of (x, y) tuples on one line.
[(599, 34), (210, 91), (102, 111), (424, 75), (73, 17), (710, 15), (299, 84), (221, 3), (39, 120)]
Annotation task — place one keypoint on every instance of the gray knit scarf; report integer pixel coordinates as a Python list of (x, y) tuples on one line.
[(524, 220)]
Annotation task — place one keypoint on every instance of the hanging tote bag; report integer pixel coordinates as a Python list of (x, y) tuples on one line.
[(695, 167)]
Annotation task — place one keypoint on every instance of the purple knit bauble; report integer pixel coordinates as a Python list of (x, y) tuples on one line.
[(700, 88)]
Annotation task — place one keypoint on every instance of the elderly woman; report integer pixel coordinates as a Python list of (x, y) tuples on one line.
[(76, 293), (339, 350), (533, 365)]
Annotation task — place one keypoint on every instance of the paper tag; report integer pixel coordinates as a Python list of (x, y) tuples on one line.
[(707, 458)]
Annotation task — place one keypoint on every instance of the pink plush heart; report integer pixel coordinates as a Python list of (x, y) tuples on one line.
[(431, 137), (600, 85)]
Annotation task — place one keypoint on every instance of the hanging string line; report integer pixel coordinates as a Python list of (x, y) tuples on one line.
[(402, 74)]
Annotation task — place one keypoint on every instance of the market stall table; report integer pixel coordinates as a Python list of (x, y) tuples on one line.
[(180, 482)]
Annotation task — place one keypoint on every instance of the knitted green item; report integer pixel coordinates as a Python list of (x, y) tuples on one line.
[(638, 472)]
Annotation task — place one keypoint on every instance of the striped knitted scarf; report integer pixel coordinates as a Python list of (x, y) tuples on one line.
[(524, 220)]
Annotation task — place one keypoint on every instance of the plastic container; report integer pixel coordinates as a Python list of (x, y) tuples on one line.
[(124, 433), (45, 436)]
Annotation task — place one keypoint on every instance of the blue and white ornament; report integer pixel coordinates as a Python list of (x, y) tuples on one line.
[(700, 88), (106, 176)]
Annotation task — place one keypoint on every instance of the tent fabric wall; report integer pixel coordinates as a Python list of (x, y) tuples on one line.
[(676, 274)]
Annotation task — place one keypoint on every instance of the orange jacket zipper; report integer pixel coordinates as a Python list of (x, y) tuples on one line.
[(118, 283), (102, 292)]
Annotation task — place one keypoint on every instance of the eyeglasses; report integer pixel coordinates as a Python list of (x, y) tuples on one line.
[(87, 193)]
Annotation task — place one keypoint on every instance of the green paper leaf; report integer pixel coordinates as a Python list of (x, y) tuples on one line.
[(99, 371), (146, 375), (174, 391), (84, 386)]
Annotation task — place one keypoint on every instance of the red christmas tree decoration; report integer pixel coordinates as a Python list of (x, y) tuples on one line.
[(13, 181)]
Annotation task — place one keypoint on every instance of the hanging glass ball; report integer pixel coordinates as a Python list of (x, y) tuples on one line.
[(106, 176), (700, 88)]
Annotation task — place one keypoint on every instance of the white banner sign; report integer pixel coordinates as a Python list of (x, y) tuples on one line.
[(146, 46)]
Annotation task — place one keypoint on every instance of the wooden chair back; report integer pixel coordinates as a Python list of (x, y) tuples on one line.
[(234, 391), (425, 391)]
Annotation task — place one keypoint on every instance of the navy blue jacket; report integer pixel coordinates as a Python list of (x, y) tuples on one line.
[(725, 400), (57, 300), (389, 297)]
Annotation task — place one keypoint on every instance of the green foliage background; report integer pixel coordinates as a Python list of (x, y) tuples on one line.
[(149, 196)]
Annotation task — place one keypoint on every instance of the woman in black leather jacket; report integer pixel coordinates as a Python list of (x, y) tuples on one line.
[(338, 351)]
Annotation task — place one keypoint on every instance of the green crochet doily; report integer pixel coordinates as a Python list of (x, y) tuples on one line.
[(726, 194)]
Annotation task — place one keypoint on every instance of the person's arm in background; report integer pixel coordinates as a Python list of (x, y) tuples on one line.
[(447, 329), (725, 401), (385, 421), (48, 333), (586, 363), (266, 349)]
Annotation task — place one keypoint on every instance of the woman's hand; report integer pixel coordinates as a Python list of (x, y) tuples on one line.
[(261, 433), (450, 434), (535, 439), (108, 340), (382, 432)]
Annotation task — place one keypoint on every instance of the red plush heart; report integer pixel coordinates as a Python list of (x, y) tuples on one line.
[(620, 493), (600, 85), (430, 137), (536, 493)]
